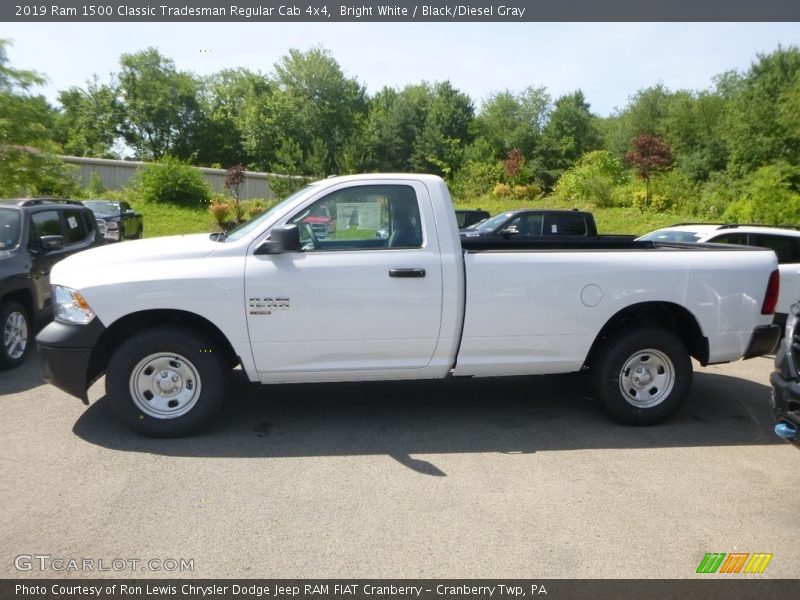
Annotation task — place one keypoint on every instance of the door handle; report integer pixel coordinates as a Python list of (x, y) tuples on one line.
[(406, 272)]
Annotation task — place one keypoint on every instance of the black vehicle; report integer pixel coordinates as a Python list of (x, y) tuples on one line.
[(34, 235), (121, 222), (785, 380), (534, 223), (469, 217)]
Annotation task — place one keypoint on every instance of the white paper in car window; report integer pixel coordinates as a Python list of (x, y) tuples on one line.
[(72, 222), (554, 228)]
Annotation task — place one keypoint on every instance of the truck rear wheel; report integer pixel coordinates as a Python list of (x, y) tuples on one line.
[(15, 330), (166, 381), (642, 376)]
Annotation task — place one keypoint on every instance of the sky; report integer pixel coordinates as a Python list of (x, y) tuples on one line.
[(608, 61)]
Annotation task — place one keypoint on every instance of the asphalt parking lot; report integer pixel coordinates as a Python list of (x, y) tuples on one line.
[(521, 477)]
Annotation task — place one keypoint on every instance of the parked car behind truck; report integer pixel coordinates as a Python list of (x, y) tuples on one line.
[(117, 220), (784, 241), (467, 217), (534, 223), (34, 235), (167, 319)]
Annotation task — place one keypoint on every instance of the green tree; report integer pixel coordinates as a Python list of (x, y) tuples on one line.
[(235, 127), (756, 130), (644, 115), (26, 126), (508, 120), (160, 106), (317, 107), (570, 132), (693, 129), (90, 120), (393, 122), (439, 145)]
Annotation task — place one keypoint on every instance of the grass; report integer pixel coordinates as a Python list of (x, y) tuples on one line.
[(172, 219), (614, 220)]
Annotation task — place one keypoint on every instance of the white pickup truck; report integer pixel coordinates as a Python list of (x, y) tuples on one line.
[(393, 293)]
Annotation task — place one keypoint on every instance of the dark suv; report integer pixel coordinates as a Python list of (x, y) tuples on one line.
[(34, 235)]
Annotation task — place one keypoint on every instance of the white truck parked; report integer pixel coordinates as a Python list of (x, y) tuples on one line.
[(395, 294)]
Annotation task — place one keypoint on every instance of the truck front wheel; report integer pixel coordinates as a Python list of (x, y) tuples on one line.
[(642, 376), (166, 381)]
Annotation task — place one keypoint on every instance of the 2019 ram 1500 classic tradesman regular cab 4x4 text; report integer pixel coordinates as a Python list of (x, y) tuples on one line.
[(167, 319)]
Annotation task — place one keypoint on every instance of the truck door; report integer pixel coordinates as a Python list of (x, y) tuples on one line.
[(365, 297)]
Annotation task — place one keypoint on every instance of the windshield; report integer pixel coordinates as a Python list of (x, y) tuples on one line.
[(670, 235), (245, 228), (103, 207), (493, 223), (9, 228)]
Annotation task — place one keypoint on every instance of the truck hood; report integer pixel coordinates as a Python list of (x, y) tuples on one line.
[(106, 262)]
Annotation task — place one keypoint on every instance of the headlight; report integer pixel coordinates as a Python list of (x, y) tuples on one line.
[(71, 307)]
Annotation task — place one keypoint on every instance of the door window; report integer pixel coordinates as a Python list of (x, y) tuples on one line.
[(75, 226), (568, 224), (44, 223), (786, 248), (362, 218), (526, 224), (730, 238)]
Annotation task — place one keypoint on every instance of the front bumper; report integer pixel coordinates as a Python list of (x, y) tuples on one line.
[(785, 382), (786, 402), (66, 353)]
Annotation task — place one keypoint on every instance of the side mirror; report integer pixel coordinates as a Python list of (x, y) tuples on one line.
[(52, 242), (285, 238), (512, 230)]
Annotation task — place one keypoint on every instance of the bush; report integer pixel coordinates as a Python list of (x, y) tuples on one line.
[(170, 180), (593, 179), (680, 193), (253, 208), (527, 192), (502, 190), (222, 210), (770, 196), (655, 204), (624, 195), (716, 195), (475, 179)]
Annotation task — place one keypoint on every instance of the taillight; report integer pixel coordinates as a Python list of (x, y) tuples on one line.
[(771, 297)]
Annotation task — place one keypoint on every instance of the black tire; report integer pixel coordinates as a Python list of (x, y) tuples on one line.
[(138, 367), (139, 234), (656, 379), (15, 330)]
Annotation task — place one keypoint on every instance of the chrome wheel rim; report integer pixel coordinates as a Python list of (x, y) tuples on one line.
[(15, 335), (647, 378), (164, 386)]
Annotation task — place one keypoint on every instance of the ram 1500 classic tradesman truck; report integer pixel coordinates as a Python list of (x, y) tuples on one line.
[(167, 319)]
